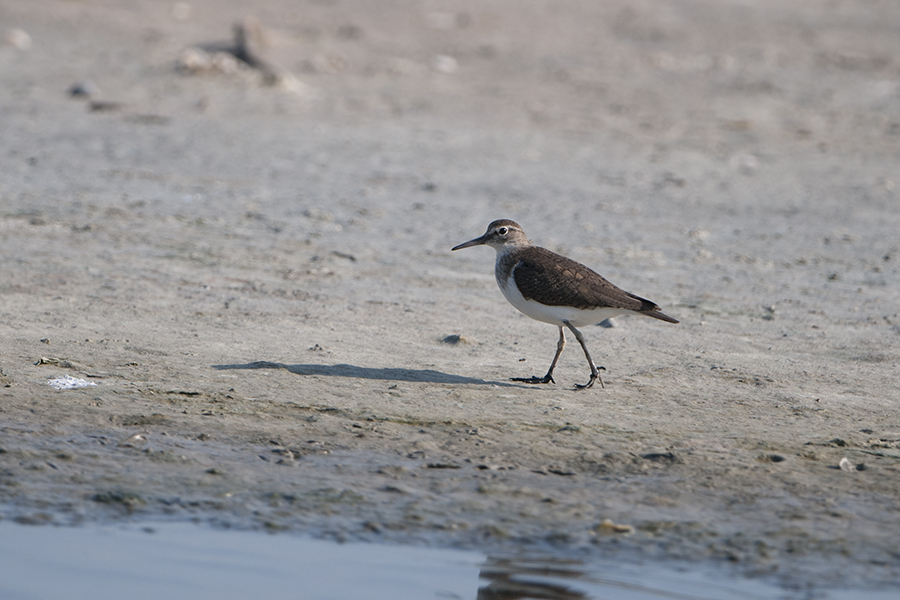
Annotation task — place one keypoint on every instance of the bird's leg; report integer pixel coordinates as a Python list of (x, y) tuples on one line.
[(548, 378), (595, 374)]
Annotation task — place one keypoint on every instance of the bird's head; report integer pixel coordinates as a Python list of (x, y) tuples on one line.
[(500, 234)]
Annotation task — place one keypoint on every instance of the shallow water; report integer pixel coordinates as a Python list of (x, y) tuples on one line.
[(180, 560)]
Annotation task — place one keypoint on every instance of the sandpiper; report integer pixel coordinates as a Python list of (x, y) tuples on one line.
[(556, 290)]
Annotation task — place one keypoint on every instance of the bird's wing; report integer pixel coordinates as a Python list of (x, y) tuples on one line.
[(555, 280)]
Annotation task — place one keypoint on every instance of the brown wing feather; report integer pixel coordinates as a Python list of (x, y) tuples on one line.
[(554, 280)]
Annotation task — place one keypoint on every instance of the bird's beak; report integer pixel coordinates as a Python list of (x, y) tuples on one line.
[(476, 242)]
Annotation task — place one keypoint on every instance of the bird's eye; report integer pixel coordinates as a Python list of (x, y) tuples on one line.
[(503, 230)]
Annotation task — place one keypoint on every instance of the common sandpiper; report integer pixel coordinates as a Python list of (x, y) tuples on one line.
[(554, 289)]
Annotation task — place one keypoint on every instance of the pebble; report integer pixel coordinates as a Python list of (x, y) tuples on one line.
[(607, 527), (18, 39), (83, 89), (445, 64)]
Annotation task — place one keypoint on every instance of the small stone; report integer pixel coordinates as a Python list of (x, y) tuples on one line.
[(846, 465), (607, 527), (772, 458), (83, 89), (18, 39), (445, 64), (135, 440)]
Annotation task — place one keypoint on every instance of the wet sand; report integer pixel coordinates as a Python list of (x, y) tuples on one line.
[(258, 279)]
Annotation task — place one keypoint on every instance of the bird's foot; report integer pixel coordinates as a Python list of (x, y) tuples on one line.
[(594, 377), (533, 379)]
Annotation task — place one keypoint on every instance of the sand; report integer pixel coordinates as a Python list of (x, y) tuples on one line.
[(255, 274)]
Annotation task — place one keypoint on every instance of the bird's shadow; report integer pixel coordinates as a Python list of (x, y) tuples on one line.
[(385, 373)]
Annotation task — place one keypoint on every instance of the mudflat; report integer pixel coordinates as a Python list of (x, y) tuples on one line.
[(250, 263)]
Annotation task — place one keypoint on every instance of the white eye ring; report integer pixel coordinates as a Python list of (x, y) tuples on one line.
[(503, 231)]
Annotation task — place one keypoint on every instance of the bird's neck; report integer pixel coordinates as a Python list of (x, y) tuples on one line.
[(506, 260)]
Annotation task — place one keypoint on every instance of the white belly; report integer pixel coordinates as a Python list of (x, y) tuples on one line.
[(555, 315)]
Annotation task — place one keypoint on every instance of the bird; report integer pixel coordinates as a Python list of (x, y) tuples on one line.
[(552, 288)]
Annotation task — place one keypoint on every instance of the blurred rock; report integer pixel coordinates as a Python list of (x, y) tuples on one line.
[(17, 38), (83, 89), (445, 64)]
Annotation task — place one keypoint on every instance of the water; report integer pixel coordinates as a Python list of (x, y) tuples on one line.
[(172, 560)]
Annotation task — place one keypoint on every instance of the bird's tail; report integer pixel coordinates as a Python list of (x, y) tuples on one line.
[(658, 314), (652, 310)]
